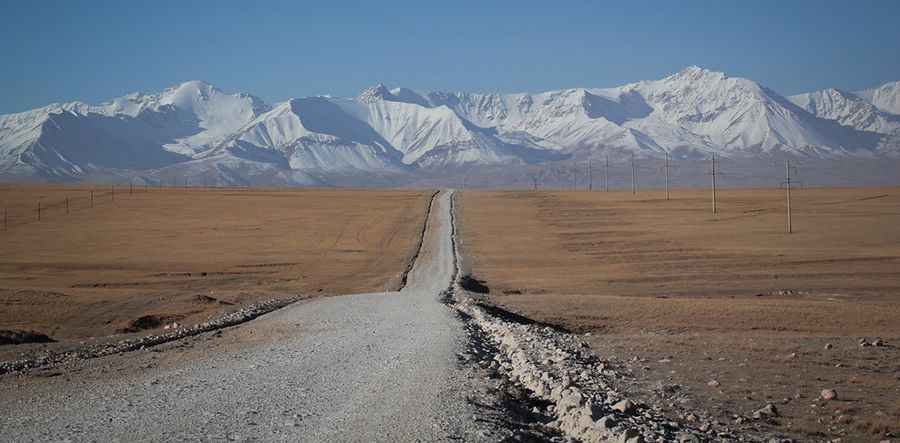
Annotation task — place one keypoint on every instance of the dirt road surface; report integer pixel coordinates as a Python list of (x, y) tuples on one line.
[(362, 367)]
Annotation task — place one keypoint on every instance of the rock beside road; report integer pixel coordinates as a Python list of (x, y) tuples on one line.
[(15, 337), (828, 394)]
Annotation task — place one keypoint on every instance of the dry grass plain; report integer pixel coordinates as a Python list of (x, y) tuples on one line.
[(682, 297), (184, 255)]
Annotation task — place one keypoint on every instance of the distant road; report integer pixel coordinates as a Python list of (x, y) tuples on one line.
[(360, 367)]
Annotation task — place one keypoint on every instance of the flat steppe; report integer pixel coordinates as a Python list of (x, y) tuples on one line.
[(716, 313), (184, 255)]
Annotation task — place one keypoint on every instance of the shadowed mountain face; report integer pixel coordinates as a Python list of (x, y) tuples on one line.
[(194, 128)]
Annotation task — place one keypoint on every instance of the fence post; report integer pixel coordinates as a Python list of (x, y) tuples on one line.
[(5, 216), (113, 192), (39, 210), (92, 199), (67, 205)]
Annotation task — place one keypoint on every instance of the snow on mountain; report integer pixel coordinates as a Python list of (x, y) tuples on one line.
[(224, 167), (196, 128), (691, 113), (885, 97), (207, 114), (435, 135), (314, 134), (65, 140), (741, 117), (849, 110), (136, 131)]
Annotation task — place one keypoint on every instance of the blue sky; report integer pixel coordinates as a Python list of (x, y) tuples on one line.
[(96, 50)]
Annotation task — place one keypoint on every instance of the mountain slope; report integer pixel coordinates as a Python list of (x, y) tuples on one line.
[(197, 130), (849, 110), (136, 131), (314, 134), (693, 112), (432, 135), (885, 97)]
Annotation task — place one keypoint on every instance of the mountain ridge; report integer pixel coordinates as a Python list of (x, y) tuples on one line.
[(689, 114)]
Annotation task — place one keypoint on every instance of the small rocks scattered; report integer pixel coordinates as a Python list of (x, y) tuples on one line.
[(828, 394), (624, 406), (713, 383), (93, 351), (877, 342), (556, 367), (769, 410)]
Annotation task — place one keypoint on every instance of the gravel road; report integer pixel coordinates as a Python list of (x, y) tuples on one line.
[(358, 367)]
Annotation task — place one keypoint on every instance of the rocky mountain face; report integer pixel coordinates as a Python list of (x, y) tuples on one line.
[(195, 129)]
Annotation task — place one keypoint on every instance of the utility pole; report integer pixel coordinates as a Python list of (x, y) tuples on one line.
[(590, 176), (606, 175), (715, 209), (633, 180), (787, 181), (667, 175), (575, 177)]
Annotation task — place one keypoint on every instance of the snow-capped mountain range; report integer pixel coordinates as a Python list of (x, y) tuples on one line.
[(195, 129)]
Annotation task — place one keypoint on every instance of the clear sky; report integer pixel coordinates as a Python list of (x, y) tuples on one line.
[(95, 50)]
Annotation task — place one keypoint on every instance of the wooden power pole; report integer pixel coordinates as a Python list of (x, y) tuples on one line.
[(667, 175), (606, 175), (590, 176), (575, 176), (633, 179), (787, 185), (715, 209)]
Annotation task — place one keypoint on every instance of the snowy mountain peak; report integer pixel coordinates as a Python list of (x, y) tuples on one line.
[(374, 93), (885, 97), (696, 73), (849, 110)]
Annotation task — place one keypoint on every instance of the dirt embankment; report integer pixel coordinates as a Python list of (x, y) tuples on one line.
[(723, 314)]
